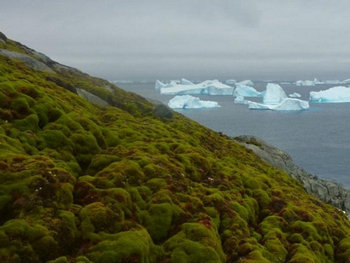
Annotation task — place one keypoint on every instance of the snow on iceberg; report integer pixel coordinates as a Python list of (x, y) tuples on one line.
[(287, 104), (190, 102), (275, 98), (331, 95), (208, 87)]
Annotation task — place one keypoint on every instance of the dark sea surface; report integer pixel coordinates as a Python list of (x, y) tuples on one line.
[(317, 139)]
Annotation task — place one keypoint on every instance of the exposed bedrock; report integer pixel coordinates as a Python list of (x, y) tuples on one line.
[(327, 191)]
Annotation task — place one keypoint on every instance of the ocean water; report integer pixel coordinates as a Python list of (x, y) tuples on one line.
[(317, 139)]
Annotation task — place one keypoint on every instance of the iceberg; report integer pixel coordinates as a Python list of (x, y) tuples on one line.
[(331, 95), (231, 82), (243, 91), (246, 91), (190, 102), (275, 98), (247, 82), (186, 82), (295, 95), (240, 100), (334, 82), (274, 94), (208, 87), (308, 82), (159, 85), (287, 104)]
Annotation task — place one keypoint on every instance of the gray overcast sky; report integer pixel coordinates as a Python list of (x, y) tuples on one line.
[(194, 39)]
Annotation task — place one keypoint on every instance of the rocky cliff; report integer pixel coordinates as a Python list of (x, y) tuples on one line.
[(327, 191)]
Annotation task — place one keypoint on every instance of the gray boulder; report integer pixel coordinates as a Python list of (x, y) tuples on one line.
[(30, 61), (91, 97)]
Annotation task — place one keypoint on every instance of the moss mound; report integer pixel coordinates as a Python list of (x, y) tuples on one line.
[(122, 183)]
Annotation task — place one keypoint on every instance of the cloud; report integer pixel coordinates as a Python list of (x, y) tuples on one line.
[(156, 38)]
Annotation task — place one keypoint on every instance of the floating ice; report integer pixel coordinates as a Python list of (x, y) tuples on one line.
[(209, 87), (246, 91), (231, 82), (286, 104), (159, 85), (275, 98), (243, 91), (308, 82), (190, 102), (295, 95), (331, 95), (274, 94), (240, 100), (333, 82), (247, 82), (186, 82)]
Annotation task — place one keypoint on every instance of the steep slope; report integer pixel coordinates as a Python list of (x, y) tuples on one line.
[(125, 180)]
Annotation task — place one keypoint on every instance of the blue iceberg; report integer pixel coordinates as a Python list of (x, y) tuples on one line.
[(208, 87), (332, 95), (190, 102), (275, 98)]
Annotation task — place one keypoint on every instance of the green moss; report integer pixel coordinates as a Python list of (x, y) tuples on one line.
[(35, 240), (307, 230), (29, 123), (252, 183), (158, 220), (156, 184), (59, 260), (101, 161), (296, 238), (96, 217), (55, 139), (84, 183), (131, 246), (20, 106), (262, 198), (195, 243)]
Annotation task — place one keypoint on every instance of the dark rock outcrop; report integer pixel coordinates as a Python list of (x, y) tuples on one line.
[(61, 83), (3, 38), (162, 111), (327, 191)]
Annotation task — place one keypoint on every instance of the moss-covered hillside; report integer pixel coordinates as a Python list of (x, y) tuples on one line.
[(131, 182)]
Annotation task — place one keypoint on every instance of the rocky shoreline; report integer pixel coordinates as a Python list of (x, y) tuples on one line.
[(327, 191)]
